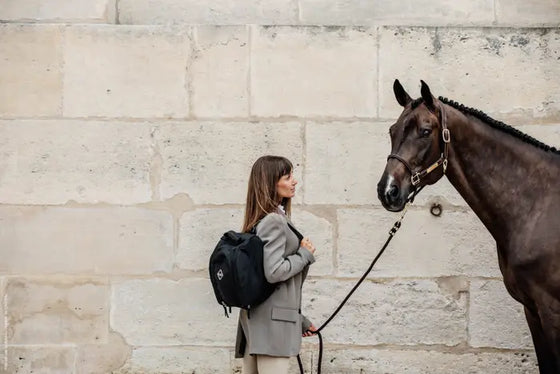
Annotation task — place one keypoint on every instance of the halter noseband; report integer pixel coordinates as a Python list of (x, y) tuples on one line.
[(446, 135)]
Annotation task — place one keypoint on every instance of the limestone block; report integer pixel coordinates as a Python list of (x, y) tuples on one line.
[(167, 312), (495, 318), (211, 161), (387, 12), (121, 71), (199, 233), (518, 12), (3, 299), (57, 311), (548, 134), (503, 72), (80, 240), (219, 72), (221, 12), (177, 360), (406, 312), (52, 162), (102, 358), (89, 11), (344, 162), (456, 243), (320, 231), (382, 361), (40, 360), (30, 70), (313, 71), (442, 193)]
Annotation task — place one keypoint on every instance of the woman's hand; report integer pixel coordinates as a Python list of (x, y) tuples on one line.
[(306, 243), (309, 331)]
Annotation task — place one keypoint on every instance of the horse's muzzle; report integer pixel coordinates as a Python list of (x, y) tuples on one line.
[(390, 194)]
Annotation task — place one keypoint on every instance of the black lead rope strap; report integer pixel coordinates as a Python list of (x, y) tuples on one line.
[(392, 232)]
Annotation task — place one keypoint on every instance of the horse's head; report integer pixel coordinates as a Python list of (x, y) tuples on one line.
[(417, 148)]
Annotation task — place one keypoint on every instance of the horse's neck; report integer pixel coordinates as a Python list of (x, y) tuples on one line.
[(498, 175)]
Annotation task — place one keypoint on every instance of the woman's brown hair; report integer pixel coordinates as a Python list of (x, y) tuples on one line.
[(261, 192)]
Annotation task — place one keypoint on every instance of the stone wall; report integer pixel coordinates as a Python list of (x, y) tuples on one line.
[(127, 131)]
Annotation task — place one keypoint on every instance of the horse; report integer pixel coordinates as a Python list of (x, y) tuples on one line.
[(509, 179)]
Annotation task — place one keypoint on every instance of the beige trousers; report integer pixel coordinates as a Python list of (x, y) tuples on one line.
[(261, 364)]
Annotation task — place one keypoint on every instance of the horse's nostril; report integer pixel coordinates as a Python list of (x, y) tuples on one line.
[(393, 191)]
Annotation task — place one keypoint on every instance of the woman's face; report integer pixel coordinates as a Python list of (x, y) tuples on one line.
[(286, 186)]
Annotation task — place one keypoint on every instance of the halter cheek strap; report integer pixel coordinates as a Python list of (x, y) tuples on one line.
[(442, 161)]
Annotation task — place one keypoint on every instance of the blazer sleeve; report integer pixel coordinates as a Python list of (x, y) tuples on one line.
[(278, 268), (305, 323)]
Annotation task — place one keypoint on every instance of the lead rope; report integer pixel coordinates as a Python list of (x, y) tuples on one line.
[(392, 232)]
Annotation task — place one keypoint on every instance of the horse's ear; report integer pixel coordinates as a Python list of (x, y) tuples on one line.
[(427, 96), (400, 94)]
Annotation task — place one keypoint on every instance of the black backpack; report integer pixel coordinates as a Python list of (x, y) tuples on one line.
[(237, 272)]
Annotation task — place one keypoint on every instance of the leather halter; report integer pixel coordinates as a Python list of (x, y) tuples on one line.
[(442, 161)]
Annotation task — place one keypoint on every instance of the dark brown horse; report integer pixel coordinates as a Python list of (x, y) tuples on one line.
[(510, 180)]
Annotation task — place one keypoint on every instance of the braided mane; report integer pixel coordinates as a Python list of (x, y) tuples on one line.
[(492, 122)]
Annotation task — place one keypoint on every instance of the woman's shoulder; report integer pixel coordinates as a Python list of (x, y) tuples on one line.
[(272, 219)]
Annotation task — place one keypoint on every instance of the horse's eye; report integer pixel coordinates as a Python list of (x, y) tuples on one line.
[(425, 132)]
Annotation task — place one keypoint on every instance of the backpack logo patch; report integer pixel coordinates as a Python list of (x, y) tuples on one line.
[(220, 274)]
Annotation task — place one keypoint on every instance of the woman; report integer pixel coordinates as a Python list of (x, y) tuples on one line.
[(272, 334)]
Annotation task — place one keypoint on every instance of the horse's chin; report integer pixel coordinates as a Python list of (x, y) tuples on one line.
[(394, 207)]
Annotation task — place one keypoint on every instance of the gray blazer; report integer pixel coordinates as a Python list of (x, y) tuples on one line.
[(275, 326)]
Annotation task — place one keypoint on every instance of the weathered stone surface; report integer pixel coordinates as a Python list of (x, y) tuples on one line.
[(3, 330), (219, 72), (404, 312), (313, 71), (548, 134), (30, 70), (387, 12), (102, 358), (442, 193), (58, 11), (495, 319), (344, 162), (435, 302), (52, 162), (177, 360), (320, 231), (374, 361), (518, 12), (79, 240), (121, 71), (462, 64), (199, 233), (456, 243), (211, 161), (40, 360), (166, 312), (221, 12), (57, 311)]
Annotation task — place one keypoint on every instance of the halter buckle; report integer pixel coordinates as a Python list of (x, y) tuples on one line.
[(446, 135), (415, 179)]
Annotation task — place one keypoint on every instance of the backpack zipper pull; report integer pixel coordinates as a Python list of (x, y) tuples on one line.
[(249, 312)]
